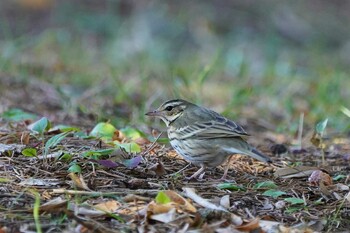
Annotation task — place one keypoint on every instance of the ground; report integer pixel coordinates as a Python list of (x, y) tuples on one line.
[(47, 189)]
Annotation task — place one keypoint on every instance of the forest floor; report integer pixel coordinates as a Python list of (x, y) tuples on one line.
[(61, 179)]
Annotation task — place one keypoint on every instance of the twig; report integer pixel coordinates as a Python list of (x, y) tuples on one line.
[(122, 192), (300, 130), (153, 144)]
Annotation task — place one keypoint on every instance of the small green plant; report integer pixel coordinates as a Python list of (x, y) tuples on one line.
[(274, 193), (162, 198), (231, 186), (317, 138)]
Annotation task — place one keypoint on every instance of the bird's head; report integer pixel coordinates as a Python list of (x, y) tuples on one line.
[(170, 111)]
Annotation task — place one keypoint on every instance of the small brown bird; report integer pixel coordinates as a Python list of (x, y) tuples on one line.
[(202, 136)]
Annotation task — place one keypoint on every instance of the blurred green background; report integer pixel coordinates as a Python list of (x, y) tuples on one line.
[(115, 59)]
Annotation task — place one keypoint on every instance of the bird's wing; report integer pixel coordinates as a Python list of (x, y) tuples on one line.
[(217, 127)]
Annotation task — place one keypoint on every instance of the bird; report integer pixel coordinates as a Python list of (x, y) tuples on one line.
[(202, 136)]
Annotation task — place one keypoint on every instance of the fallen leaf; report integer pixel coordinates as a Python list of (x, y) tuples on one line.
[(225, 201), (190, 193), (250, 226), (133, 162), (167, 217), (25, 136), (141, 141), (108, 206), (106, 163), (180, 201), (317, 177), (158, 168), (155, 208), (293, 172), (54, 204), (162, 198), (105, 131), (78, 181)]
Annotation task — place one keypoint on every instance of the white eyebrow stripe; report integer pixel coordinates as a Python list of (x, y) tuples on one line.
[(175, 103)]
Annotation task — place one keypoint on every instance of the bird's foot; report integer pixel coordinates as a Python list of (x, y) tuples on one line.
[(195, 175)]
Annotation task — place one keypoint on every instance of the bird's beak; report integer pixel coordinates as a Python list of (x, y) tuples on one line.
[(154, 113)]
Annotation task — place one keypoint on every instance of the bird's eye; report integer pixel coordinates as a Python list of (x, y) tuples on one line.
[(169, 108)]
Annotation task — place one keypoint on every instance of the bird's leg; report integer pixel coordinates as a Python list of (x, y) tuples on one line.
[(201, 169), (227, 166)]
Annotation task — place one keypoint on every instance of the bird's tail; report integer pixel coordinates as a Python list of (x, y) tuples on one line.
[(246, 149), (260, 156)]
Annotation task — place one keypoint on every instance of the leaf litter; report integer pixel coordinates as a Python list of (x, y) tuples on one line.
[(88, 184), (101, 192)]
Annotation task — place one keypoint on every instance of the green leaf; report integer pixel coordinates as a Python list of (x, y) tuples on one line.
[(162, 140), (41, 125), (231, 186), (294, 200), (83, 135), (321, 126), (133, 162), (132, 133), (266, 185), (66, 128), (36, 214), (29, 152), (320, 201), (4, 180), (162, 198), (102, 130), (339, 177), (274, 193), (16, 114), (98, 152), (293, 209), (116, 217), (66, 157), (345, 110), (52, 142), (131, 147), (74, 168)]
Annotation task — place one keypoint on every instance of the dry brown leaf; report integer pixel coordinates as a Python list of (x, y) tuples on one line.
[(180, 202), (118, 136), (155, 208), (78, 181), (158, 168), (250, 226), (108, 206), (317, 177), (25, 136), (294, 172), (133, 208), (142, 141), (53, 205)]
